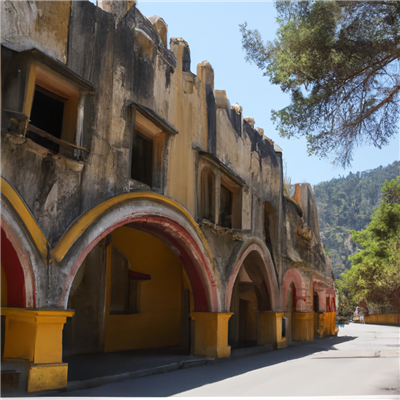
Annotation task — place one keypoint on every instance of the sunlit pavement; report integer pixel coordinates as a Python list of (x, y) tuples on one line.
[(362, 361)]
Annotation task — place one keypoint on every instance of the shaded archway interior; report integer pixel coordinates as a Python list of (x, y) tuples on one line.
[(250, 295), (179, 244), (130, 293)]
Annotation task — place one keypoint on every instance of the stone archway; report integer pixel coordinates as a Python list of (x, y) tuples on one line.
[(153, 214), (166, 221), (265, 268), (252, 295), (297, 302)]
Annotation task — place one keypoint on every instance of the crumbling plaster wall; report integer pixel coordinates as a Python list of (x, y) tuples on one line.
[(304, 247), (40, 24)]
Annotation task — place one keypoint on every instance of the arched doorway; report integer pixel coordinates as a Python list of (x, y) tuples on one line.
[(155, 252), (250, 295), (298, 303), (131, 292)]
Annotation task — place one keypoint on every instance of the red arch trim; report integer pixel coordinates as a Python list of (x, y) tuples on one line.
[(294, 277), (14, 274)]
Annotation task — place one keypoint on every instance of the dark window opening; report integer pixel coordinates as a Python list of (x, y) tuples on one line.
[(209, 204), (316, 303), (225, 207), (142, 160), (47, 114), (283, 327), (207, 195)]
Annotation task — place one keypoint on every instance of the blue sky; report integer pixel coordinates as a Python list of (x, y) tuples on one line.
[(212, 32)]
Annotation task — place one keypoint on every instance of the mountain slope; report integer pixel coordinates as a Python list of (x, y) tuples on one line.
[(346, 204)]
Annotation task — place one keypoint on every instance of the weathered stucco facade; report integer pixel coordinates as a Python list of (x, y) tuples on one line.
[(134, 194)]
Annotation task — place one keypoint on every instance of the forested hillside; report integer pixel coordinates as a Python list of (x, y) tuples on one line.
[(346, 204)]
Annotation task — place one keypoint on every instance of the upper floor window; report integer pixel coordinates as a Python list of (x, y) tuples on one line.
[(46, 98), (225, 210), (220, 193), (207, 198), (142, 159), (148, 157), (231, 202)]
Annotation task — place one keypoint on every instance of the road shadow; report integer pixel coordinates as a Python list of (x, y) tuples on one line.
[(183, 380)]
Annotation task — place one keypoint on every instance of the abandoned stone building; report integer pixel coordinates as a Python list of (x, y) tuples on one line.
[(139, 208)]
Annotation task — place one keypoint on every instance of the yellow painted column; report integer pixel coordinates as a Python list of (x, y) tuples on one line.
[(329, 323), (319, 324), (36, 335), (270, 329), (211, 334), (303, 326)]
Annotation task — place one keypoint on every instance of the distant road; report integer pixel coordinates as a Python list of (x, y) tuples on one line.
[(362, 361)]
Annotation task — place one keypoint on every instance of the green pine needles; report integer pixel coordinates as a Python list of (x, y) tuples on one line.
[(339, 60)]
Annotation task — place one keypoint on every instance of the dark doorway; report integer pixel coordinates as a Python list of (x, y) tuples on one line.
[(316, 302)]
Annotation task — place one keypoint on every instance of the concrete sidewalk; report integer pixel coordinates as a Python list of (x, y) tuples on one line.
[(91, 370)]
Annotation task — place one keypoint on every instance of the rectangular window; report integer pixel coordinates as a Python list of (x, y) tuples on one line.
[(47, 114), (142, 160), (225, 213)]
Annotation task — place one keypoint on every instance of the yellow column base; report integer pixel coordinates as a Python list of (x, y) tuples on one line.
[(303, 326), (270, 329), (329, 323), (211, 334), (47, 377), (36, 335)]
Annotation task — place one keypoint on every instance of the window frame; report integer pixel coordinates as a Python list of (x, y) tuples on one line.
[(223, 177), (24, 70), (150, 126), (44, 77)]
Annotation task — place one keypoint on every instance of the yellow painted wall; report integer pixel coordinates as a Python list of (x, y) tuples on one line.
[(389, 318), (303, 326), (159, 320), (3, 288)]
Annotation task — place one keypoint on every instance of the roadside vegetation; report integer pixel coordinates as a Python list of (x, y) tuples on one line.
[(373, 280)]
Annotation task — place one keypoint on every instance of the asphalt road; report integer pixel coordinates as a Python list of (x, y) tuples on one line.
[(362, 361)]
